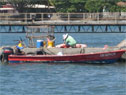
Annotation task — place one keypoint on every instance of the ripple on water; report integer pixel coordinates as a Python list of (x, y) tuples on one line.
[(65, 79)]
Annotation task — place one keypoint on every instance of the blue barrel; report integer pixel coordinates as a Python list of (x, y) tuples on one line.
[(39, 43)]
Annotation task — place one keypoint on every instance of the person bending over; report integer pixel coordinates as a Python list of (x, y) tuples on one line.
[(69, 41)]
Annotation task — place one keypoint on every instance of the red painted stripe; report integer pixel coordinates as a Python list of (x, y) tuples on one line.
[(7, 51)]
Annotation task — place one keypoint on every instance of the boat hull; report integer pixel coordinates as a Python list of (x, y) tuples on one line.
[(102, 57)]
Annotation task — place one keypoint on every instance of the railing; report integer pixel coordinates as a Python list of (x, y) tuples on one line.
[(63, 18)]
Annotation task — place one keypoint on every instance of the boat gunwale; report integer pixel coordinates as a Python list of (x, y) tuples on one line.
[(34, 55)]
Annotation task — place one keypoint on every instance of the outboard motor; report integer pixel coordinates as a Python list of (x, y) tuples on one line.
[(6, 51)]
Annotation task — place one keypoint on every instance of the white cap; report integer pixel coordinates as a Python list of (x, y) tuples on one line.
[(65, 36)]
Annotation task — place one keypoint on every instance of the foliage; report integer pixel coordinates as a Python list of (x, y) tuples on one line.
[(85, 5), (71, 5), (2, 3), (94, 5), (123, 10)]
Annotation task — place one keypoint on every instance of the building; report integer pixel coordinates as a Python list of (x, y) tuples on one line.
[(8, 8), (40, 8)]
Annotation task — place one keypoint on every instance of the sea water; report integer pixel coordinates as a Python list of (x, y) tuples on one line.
[(64, 79)]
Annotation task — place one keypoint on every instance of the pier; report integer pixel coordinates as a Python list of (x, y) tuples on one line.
[(65, 22)]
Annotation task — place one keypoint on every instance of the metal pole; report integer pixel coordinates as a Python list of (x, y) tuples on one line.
[(25, 17), (106, 28), (68, 18), (83, 18), (42, 16)]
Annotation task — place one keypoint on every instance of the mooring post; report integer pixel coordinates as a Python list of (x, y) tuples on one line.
[(79, 28), (23, 29), (120, 30), (9, 28), (92, 28), (106, 28), (65, 28)]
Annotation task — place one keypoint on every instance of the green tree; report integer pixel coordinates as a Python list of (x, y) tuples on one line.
[(94, 5), (112, 6), (2, 3), (61, 5), (98, 5), (79, 5), (69, 5)]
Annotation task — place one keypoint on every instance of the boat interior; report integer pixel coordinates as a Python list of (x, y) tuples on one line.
[(55, 51)]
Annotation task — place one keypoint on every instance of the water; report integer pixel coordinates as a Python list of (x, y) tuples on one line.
[(65, 79), (91, 39)]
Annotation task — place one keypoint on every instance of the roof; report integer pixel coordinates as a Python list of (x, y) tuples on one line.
[(7, 9), (122, 4), (39, 6)]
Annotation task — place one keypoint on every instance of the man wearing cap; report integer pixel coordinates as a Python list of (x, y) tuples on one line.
[(69, 41)]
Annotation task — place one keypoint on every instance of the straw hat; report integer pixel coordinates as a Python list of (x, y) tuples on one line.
[(65, 36)]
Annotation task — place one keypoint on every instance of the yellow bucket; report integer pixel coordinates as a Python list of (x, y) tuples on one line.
[(50, 44)]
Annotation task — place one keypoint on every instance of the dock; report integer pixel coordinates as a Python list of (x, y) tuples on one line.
[(66, 22)]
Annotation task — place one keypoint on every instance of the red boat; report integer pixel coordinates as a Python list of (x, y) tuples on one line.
[(57, 55), (100, 57)]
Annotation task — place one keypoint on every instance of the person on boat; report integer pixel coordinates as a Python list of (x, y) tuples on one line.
[(69, 41), (50, 41), (19, 48)]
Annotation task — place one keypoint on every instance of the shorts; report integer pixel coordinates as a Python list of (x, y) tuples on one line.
[(19, 47)]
